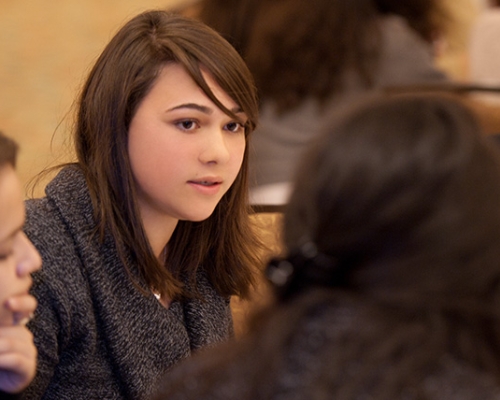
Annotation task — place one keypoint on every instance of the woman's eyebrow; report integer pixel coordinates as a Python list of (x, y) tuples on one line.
[(203, 109), (193, 106)]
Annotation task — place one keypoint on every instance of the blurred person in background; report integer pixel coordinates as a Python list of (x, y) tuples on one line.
[(308, 57)]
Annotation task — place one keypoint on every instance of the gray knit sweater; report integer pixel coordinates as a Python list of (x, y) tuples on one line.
[(98, 337)]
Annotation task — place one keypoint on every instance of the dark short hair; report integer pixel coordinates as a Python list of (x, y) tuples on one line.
[(8, 150)]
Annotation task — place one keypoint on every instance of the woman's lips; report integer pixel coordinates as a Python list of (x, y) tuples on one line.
[(206, 185)]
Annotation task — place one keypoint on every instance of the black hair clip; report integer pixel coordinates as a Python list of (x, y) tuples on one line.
[(301, 269)]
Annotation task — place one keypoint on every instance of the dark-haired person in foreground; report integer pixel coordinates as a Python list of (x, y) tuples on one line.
[(390, 283)]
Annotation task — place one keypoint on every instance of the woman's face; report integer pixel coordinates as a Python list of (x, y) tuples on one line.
[(184, 151), (18, 257)]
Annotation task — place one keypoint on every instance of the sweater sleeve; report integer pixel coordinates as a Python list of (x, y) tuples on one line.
[(51, 322), (45, 328)]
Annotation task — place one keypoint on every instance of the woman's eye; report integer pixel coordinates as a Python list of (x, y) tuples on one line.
[(235, 127), (187, 125), (4, 255)]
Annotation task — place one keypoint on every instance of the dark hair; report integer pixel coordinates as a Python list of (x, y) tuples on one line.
[(122, 76), (8, 150), (311, 44), (401, 196), (363, 192), (424, 16)]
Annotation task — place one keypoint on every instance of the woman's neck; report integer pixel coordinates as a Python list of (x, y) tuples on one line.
[(158, 231)]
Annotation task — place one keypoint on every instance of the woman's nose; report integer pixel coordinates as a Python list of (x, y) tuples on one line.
[(29, 259), (215, 149)]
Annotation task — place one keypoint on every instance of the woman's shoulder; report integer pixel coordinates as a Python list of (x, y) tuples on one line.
[(49, 234), (51, 221), (53, 224), (45, 227)]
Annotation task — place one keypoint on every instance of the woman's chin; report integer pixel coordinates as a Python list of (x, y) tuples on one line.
[(199, 215)]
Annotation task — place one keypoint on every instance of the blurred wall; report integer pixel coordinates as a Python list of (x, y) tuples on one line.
[(453, 57)]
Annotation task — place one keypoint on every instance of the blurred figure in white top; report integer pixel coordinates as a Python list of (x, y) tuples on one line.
[(484, 49)]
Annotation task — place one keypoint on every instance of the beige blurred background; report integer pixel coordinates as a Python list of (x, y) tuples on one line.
[(47, 47)]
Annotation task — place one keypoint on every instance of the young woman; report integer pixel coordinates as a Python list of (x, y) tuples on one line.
[(18, 259), (389, 288), (147, 236)]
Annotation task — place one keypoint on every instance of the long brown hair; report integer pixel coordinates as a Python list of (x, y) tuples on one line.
[(224, 244)]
